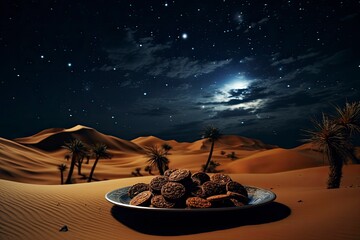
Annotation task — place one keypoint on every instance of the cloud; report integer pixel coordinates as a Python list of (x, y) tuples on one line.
[(294, 59), (184, 86), (239, 96), (349, 17), (314, 67), (183, 67), (128, 83), (134, 55), (228, 113), (147, 56), (298, 99), (246, 59), (263, 20), (238, 18), (254, 24), (251, 93)]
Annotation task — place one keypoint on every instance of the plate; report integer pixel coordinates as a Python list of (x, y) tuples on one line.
[(257, 197)]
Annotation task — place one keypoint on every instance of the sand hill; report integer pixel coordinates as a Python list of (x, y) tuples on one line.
[(34, 206), (43, 152), (53, 139)]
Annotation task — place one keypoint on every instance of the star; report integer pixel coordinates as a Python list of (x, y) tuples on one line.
[(184, 36), (69, 64)]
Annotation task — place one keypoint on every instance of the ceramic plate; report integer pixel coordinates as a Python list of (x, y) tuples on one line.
[(257, 196)]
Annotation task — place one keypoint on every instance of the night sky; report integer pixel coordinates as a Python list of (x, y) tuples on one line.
[(260, 69)]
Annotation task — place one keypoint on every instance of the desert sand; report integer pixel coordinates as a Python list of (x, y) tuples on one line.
[(33, 204)]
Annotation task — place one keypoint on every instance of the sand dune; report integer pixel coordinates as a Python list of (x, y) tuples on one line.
[(34, 206), (304, 209), (24, 164), (228, 142), (54, 139), (155, 141), (35, 159), (275, 160), (151, 140), (233, 141)]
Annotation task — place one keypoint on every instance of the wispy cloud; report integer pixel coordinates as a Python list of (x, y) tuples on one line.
[(254, 24), (294, 59), (349, 17), (183, 67), (145, 55), (246, 59), (310, 66)]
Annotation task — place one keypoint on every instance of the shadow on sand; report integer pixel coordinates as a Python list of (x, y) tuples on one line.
[(182, 223)]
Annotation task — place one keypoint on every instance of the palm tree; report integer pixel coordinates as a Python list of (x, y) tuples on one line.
[(212, 167), (157, 157), (148, 169), (79, 164), (212, 134), (166, 148), (77, 149), (88, 158), (329, 137), (100, 151), (62, 168), (67, 157), (349, 118), (232, 156), (137, 170)]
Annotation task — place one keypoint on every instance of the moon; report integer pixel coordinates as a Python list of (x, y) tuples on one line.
[(236, 85), (232, 90), (233, 93)]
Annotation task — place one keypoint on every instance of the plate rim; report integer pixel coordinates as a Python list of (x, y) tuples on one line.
[(271, 199)]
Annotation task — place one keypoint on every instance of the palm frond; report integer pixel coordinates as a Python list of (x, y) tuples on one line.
[(212, 133), (62, 167), (329, 137), (76, 146), (349, 117), (157, 157), (100, 151), (167, 147)]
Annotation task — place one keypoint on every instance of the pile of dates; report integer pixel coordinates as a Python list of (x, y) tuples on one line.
[(179, 188)]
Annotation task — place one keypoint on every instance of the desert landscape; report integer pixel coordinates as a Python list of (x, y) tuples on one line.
[(258, 99), (34, 205)]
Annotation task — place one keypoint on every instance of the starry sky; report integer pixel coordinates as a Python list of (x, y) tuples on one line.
[(259, 69)]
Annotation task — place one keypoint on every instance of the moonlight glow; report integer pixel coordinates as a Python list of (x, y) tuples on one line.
[(237, 85), (236, 91)]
